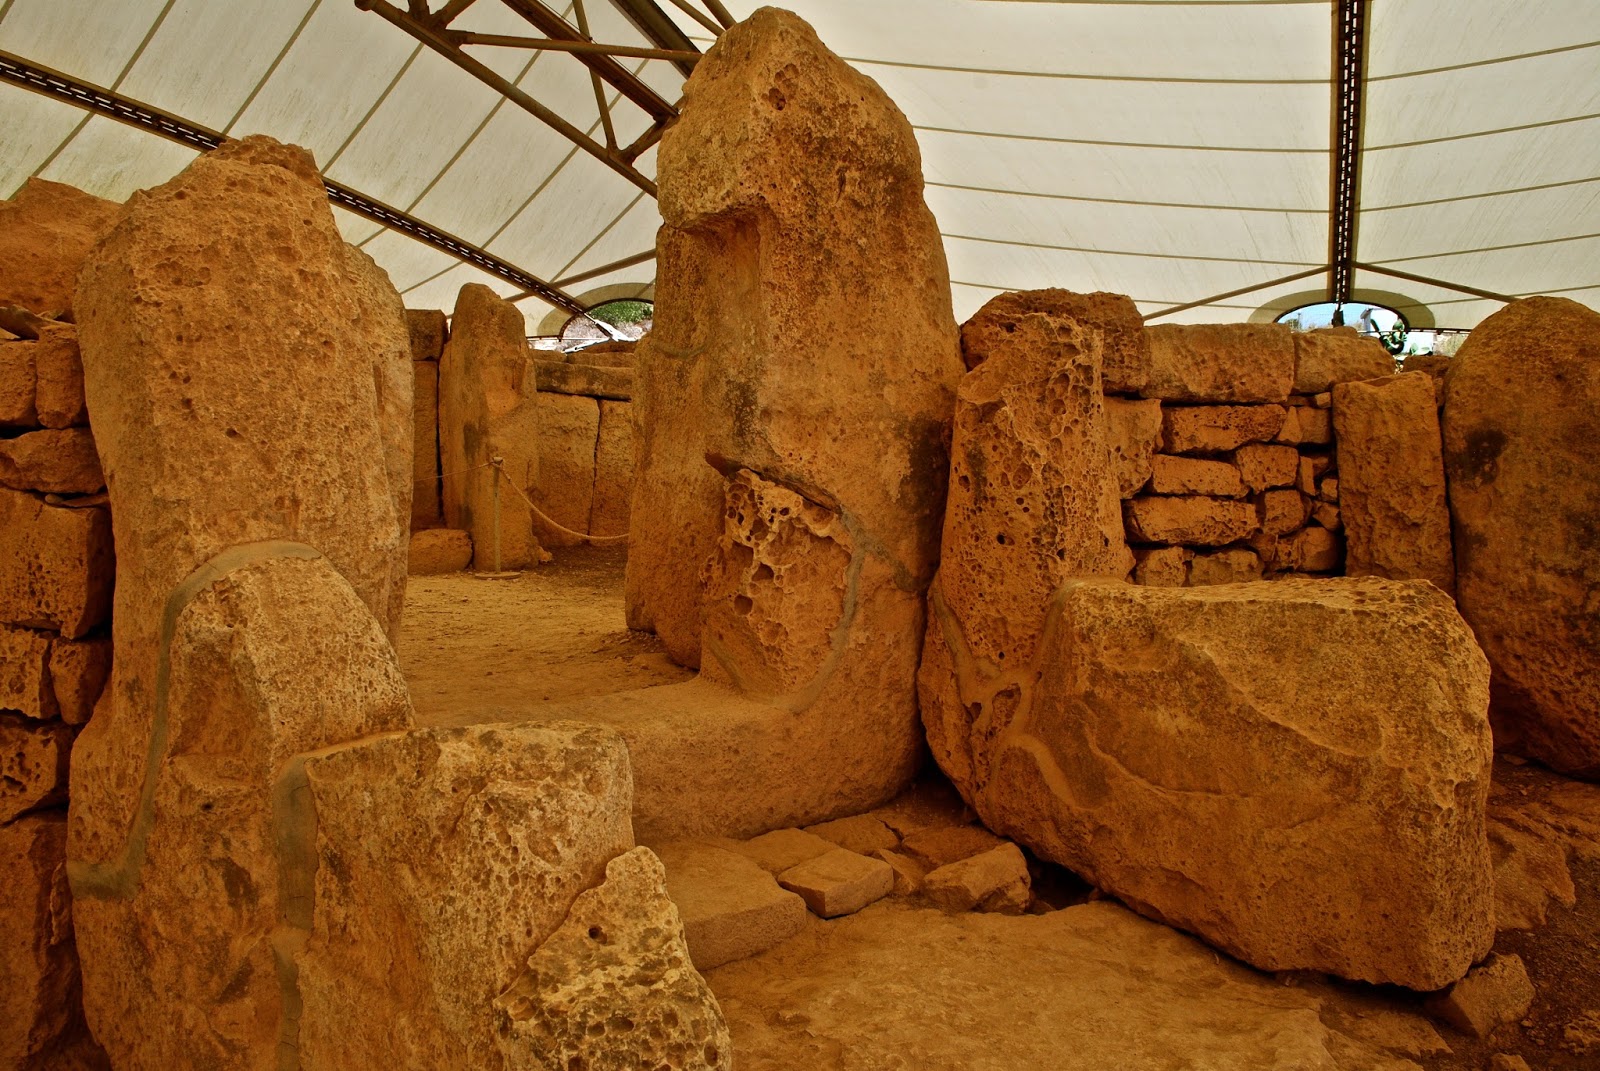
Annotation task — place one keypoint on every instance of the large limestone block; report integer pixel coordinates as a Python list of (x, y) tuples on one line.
[(1220, 362), (179, 883), (1295, 771), (46, 231), (60, 462), (433, 864), (1391, 480), (1521, 416), (613, 987), (487, 410), (33, 764), (1124, 348), (613, 470), (1198, 520), (1337, 355), (569, 432), (756, 360), (38, 964), (1173, 474), (1217, 429), (426, 508), (57, 565), (1133, 430)]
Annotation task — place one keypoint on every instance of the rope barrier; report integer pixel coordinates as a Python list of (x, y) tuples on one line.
[(537, 512)]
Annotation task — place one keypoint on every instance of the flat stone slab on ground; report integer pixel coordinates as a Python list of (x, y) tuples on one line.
[(860, 833), (839, 883), (948, 844), (731, 908), (996, 880), (781, 849)]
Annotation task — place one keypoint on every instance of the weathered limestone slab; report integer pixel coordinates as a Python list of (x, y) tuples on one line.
[(751, 363), (781, 849), (1332, 732), (613, 471), (426, 507), (58, 397), (57, 565), (616, 353), (439, 550), (1162, 567), (199, 830), (1171, 474), (1194, 519), (731, 907), (38, 964), (908, 873), (1262, 466), (585, 380), (46, 231), (79, 670), (60, 462), (1391, 470), (436, 862), (613, 986), (1220, 362), (1217, 429), (840, 882), (18, 384), (569, 429), (487, 410), (1337, 355), (25, 672), (861, 833), (996, 880), (949, 844), (1521, 416), (33, 764), (1236, 565), (427, 330), (1133, 430), (1113, 318)]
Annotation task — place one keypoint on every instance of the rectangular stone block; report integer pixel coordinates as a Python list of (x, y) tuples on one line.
[(1162, 567), (1133, 430), (1173, 475), (428, 332), (58, 461), (1337, 355), (1263, 466), (33, 764), (1220, 362), (1312, 468), (731, 908), (79, 670), (59, 397), (18, 378), (589, 381), (56, 565), (1217, 429), (1306, 425), (840, 882), (569, 431), (1282, 511), (1196, 520), (25, 672), (613, 470), (426, 510), (1236, 565)]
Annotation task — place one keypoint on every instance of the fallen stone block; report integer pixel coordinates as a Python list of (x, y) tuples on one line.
[(1217, 429), (781, 849), (1174, 475), (61, 462), (613, 987), (996, 880), (1161, 567), (1220, 362), (1337, 355), (839, 883), (33, 764), (1196, 520), (1133, 430), (57, 566), (908, 873), (949, 844), (1263, 466), (930, 803), (861, 833), (731, 907), (1494, 993), (439, 550)]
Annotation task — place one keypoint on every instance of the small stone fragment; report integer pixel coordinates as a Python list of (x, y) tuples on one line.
[(928, 804), (1337, 355), (1282, 512), (1220, 362), (1172, 475), (1312, 467), (839, 883), (1217, 429), (1162, 567), (1133, 429), (781, 849), (862, 834), (1194, 519), (439, 550), (1322, 400), (33, 764), (1328, 490), (1492, 994), (1327, 515), (61, 462), (1236, 565), (908, 873), (731, 908), (950, 844), (996, 880), (1504, 1061), (613, 987), (1263, 466)]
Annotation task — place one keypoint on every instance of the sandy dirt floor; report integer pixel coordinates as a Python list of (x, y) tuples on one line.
[(555, 632)]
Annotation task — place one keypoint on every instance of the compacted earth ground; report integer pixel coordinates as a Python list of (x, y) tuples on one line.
[(1077, 981)]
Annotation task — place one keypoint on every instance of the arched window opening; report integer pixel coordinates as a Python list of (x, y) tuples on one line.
[(619, 320), (1374, 321)]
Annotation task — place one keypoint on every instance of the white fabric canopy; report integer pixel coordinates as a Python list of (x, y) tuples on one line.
[(1171, 150)]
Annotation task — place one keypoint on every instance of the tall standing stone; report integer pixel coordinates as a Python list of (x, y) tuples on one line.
[(1521, 417), (1391, 480), (791, 195), (487, 410)]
